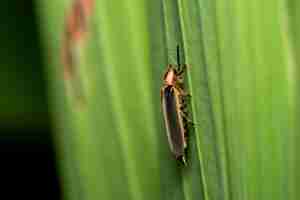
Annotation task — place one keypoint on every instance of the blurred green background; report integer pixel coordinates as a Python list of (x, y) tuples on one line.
[(27, 166)]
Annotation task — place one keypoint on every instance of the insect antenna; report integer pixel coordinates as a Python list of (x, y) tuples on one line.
[(178, 56)]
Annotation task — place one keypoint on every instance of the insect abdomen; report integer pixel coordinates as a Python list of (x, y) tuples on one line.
[(173, 120)]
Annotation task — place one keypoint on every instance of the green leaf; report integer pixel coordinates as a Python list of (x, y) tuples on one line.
[(243, 80)]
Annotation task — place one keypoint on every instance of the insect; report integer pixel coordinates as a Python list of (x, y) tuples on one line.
[(174, 107)]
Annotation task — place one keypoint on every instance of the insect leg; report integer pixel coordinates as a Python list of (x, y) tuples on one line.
[(186, 97), (183, 93), (183, 160), (185, 117), (178, 56), (181, 69)]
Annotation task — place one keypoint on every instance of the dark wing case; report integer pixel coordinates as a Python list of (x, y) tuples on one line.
[(173, 121)]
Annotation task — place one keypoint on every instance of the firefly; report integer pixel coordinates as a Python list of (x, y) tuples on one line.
[(174, 108)]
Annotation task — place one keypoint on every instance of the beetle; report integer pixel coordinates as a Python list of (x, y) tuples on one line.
[(174, 109)]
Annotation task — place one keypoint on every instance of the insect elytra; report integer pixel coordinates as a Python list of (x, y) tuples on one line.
[(174, 107)]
